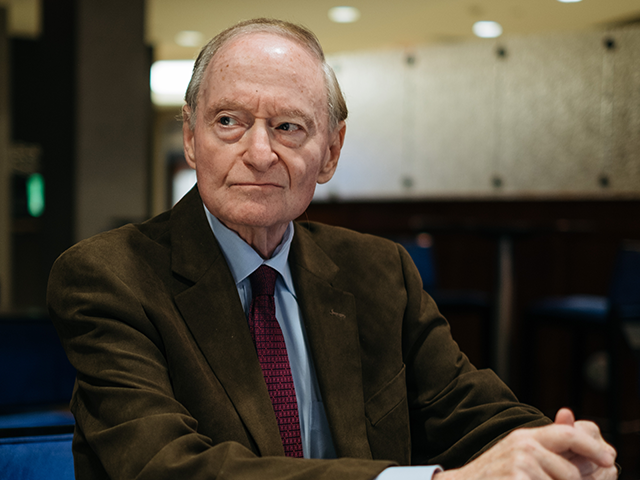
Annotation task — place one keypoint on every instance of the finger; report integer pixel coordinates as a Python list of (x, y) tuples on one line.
[(520, 455), (585, 466), (560, 438), (555, 466), (589, 428), (551, 465), (592, 430), (589, 470), (565, 417), (611, 473)]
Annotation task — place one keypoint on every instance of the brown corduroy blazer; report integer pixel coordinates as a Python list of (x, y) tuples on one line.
[(169, 384)]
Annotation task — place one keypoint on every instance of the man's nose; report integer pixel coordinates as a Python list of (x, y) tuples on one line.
[(259, 152)]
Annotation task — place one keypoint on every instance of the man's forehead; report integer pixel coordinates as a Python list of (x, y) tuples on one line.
[(266, 45), (264, 61), (231, 103)]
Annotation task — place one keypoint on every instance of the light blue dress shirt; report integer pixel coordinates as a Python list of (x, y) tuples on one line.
[(314, 428)]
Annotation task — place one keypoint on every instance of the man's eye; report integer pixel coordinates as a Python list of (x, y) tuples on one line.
[(288, 127), (227, 121)]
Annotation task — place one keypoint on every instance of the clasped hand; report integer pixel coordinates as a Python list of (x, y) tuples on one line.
[(564, 450)]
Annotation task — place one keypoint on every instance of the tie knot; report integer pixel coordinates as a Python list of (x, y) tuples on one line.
[(263, 281)]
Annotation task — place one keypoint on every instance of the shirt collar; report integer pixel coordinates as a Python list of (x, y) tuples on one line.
[(244, 260)]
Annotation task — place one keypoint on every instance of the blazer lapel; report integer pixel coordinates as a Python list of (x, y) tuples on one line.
[(211, 308), (329, 316)]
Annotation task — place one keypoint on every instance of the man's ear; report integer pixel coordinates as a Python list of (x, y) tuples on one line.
[(188, 137), (335, 147)]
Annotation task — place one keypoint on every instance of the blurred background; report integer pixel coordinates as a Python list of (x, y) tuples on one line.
[(498, 140)]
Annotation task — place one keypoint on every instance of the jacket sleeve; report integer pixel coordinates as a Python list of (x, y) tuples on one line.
[(456, 411), (129, 424)]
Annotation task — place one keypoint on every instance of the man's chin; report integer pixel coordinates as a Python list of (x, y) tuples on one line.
[(254, 220)]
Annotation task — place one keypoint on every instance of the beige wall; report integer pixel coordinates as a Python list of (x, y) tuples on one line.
[(556, 116)]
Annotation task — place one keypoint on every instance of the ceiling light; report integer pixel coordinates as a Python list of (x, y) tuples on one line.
[(344, 14), (189, 38), (169, 81), (487, 29), (569, 1)]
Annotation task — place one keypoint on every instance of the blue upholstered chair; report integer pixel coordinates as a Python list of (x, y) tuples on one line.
[(421, 251), (449, 301), (36, 379), (614, 316), (44, 457), (43, 420)]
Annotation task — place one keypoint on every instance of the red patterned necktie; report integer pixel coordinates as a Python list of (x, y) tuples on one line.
[(272, 353)]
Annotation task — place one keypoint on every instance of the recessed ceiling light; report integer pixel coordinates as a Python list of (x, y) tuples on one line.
[(344, 14), (569, 1), (169, 81), (189, 38), (486, 29)]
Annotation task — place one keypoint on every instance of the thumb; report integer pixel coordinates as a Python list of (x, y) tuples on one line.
[(565, 417)]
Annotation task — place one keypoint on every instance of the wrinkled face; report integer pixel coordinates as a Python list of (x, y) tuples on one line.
[(261, 140)]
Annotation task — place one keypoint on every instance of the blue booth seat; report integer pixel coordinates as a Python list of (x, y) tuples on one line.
[(35, 419), (43, 457), (36, 379)]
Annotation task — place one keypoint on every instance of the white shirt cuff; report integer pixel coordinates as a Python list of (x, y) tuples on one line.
[(409, 473)]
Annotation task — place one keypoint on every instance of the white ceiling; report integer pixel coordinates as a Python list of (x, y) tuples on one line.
[(384, 23)]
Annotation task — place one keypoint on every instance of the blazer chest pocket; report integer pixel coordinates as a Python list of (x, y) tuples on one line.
[(387, 413)]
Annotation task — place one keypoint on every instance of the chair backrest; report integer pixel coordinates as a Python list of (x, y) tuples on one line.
[(624, 293), (34, 370), (46, 457), (420, 249)]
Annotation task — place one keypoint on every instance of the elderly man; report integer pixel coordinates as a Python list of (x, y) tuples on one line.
[(221, 340)]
